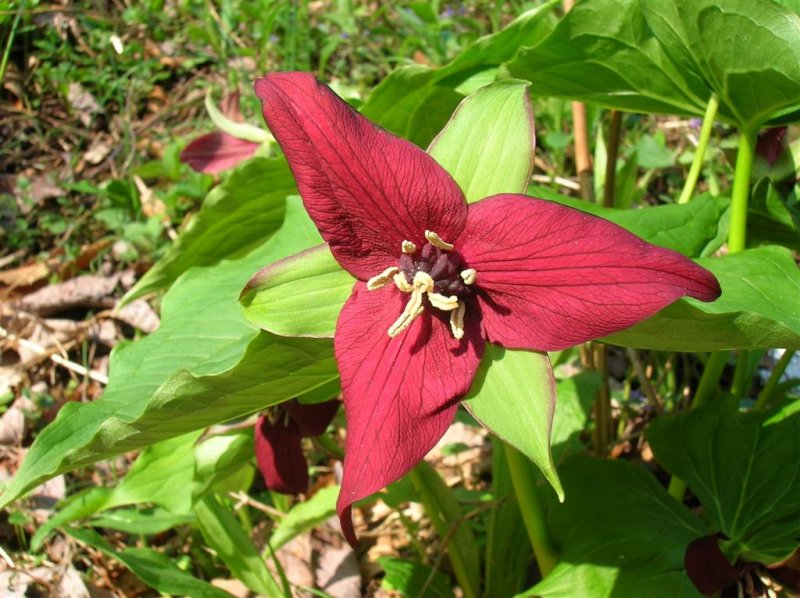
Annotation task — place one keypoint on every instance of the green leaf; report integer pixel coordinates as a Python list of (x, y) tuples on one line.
[(744, 468), (236, 216), (514, 396), (299, 296), (415, 102), (620, 534), (153, 568), (412, 579), (669, 57), (576, 395), (147, 521), (219, 459), (305, 516), (759, 308), (162, 475), (223, 533), (488, 145), (693, 229), (79, 506), (164, 385), (445, 514)]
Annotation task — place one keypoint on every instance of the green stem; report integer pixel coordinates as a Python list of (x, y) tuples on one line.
[(741, 375), (7, 50), (532, 511), (700, 152), (709, 384), (741, 190), (767, 393)]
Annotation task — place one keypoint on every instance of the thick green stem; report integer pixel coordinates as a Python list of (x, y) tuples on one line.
[(766, 394), (532, 511), (709, 384), (741, 190), (700, 152)]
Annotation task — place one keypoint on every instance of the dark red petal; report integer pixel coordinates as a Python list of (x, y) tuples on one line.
[(279, 455), (365, 189), (707, 567), (217, 151), (400, 394), (312, 418), (550, 277)]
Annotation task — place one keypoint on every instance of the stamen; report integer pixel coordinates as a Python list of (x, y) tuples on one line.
[(408, 247), (423, 280), (437, 241), (381, 280), (442, 302), (457, 321), (468, 276), (401, 282), (413, 309)]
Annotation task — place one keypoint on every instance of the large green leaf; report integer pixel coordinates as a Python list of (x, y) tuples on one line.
[(744, 468), (153, 568), (694, 229), (299, 296), (576, 395), (489, 143), (759, 308), (411, 579), (205, 364), (620, 534), (669, 57), (235, 217), (514, 396), (415, 102)]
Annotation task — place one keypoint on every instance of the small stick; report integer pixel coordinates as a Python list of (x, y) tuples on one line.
[(57, 359)]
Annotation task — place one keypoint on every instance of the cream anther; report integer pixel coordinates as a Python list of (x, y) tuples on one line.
[(457, 320), (437, 241), (401, 283), (441, 302), (413, 309), (423, 280), (468, 276), (408, 247), (380, 281)]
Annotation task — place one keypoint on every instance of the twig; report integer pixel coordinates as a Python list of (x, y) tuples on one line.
[(57, 359), (559, 180), (644, 381)]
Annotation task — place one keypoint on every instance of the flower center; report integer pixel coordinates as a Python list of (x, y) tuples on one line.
[(436, 272)]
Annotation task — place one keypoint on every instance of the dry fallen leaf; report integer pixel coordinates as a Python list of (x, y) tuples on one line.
[(93, 292), (83, 103), (140, 315)]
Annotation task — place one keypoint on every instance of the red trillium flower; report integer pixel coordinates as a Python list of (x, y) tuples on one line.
[(278, 441), (437, 279)]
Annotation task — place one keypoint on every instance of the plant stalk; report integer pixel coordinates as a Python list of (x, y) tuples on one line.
[(612, 153), (741, 190), (767, 393), (702, 146), (531, 508)]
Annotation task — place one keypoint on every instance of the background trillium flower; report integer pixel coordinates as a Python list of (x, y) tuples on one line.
[(437, 279), (278, 442)]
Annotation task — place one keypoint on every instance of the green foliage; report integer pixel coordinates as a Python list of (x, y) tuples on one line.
[(758, 308), (620, 534), (744, 469), (669, 58)]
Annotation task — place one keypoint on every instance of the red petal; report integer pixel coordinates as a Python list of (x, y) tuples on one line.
[(551, 277), (279, 455), (312, 418), (365, 189), (217, 151), (400, 394)]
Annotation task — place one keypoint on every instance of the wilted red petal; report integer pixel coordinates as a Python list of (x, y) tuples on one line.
[(312, 418), (400, 394), (365, 189), (217, 151), (230, 107), (551, 277), (279, 455)]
